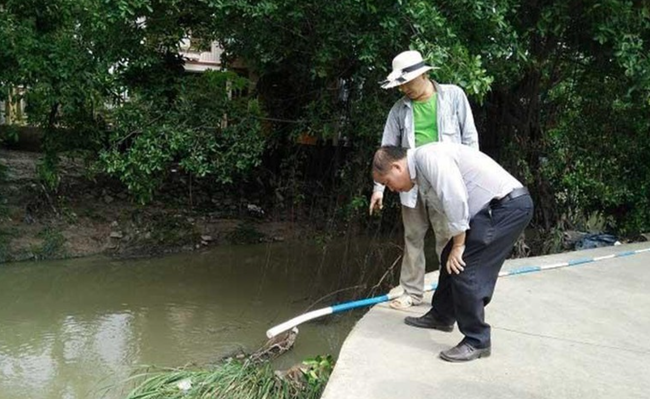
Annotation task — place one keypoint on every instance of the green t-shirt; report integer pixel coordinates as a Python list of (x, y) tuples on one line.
[(425, 121)]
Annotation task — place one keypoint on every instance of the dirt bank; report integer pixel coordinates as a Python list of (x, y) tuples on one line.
[(97, 216)]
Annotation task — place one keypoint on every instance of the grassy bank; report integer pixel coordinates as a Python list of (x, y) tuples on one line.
[(234, 379)]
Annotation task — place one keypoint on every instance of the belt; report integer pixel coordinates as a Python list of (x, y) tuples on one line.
[(516, 193)]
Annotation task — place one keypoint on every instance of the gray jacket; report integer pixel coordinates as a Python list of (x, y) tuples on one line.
[(455, 125)]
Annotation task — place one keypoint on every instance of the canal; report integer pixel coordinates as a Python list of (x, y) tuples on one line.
[(77, 328)]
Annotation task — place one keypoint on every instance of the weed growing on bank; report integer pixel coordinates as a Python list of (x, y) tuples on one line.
[(235, 379)]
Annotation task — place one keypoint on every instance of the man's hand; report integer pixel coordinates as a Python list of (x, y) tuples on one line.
[(455, 263), (376, 201)]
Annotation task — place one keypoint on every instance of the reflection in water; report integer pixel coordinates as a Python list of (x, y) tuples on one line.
[(69, 329)]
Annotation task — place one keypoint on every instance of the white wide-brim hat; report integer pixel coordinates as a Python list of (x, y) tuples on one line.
[(406, 67)]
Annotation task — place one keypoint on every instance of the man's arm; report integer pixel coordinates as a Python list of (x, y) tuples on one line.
[(391, 136), (455, 262), (447, 182), (445, 178), (392, 130), (468, 133)]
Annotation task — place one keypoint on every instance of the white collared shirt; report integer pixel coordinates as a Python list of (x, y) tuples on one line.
[(458, 181)]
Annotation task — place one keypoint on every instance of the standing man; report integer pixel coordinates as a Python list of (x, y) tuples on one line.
[(428, 112), (485, 209)]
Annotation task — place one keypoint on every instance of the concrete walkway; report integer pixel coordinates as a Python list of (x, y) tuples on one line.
[(577, 332)]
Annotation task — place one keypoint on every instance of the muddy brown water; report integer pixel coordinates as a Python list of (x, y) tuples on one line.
[(72, 329)]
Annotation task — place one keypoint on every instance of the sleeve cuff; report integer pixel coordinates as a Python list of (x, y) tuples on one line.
[(457, 228)]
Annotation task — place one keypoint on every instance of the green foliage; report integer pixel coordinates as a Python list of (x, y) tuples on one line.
[(334, 54), (566, 86), (358, 204), (568, 107), (49, 47), (48, 170), (200, 132), (319, 64), (107, 78), (599, 157), (564, 89), (8, 134), (319, 370)]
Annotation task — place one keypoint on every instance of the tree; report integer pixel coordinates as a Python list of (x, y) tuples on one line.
[(552, 83), (100, 73), (567, 110)]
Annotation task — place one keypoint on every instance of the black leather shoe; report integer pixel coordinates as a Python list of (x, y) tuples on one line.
[(428, 321), (464, 353)]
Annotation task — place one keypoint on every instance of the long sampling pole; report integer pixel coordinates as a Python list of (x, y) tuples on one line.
[(315, 314)]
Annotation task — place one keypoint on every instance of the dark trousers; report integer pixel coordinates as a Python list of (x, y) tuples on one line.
[(490, 238)]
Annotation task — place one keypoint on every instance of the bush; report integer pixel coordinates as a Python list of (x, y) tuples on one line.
[(198, 130)]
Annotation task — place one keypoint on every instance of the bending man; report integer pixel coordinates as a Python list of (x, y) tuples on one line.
[(485, 209)]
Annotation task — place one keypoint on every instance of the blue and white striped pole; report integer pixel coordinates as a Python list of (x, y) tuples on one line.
[(287, 325)]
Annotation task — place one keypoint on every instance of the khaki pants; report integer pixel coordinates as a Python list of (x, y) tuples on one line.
[(416, 224)]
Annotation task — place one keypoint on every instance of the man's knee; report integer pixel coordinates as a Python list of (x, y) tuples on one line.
[(415, 236)]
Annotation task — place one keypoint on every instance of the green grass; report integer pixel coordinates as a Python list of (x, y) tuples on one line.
[(231, 380)]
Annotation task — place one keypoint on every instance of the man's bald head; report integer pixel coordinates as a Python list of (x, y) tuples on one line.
[(390, 168), (385, 157)]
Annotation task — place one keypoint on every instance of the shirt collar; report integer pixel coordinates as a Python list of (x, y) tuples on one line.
[(410, 162)]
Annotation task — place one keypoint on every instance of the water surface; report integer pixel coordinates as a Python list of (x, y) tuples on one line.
[(69, 329)]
